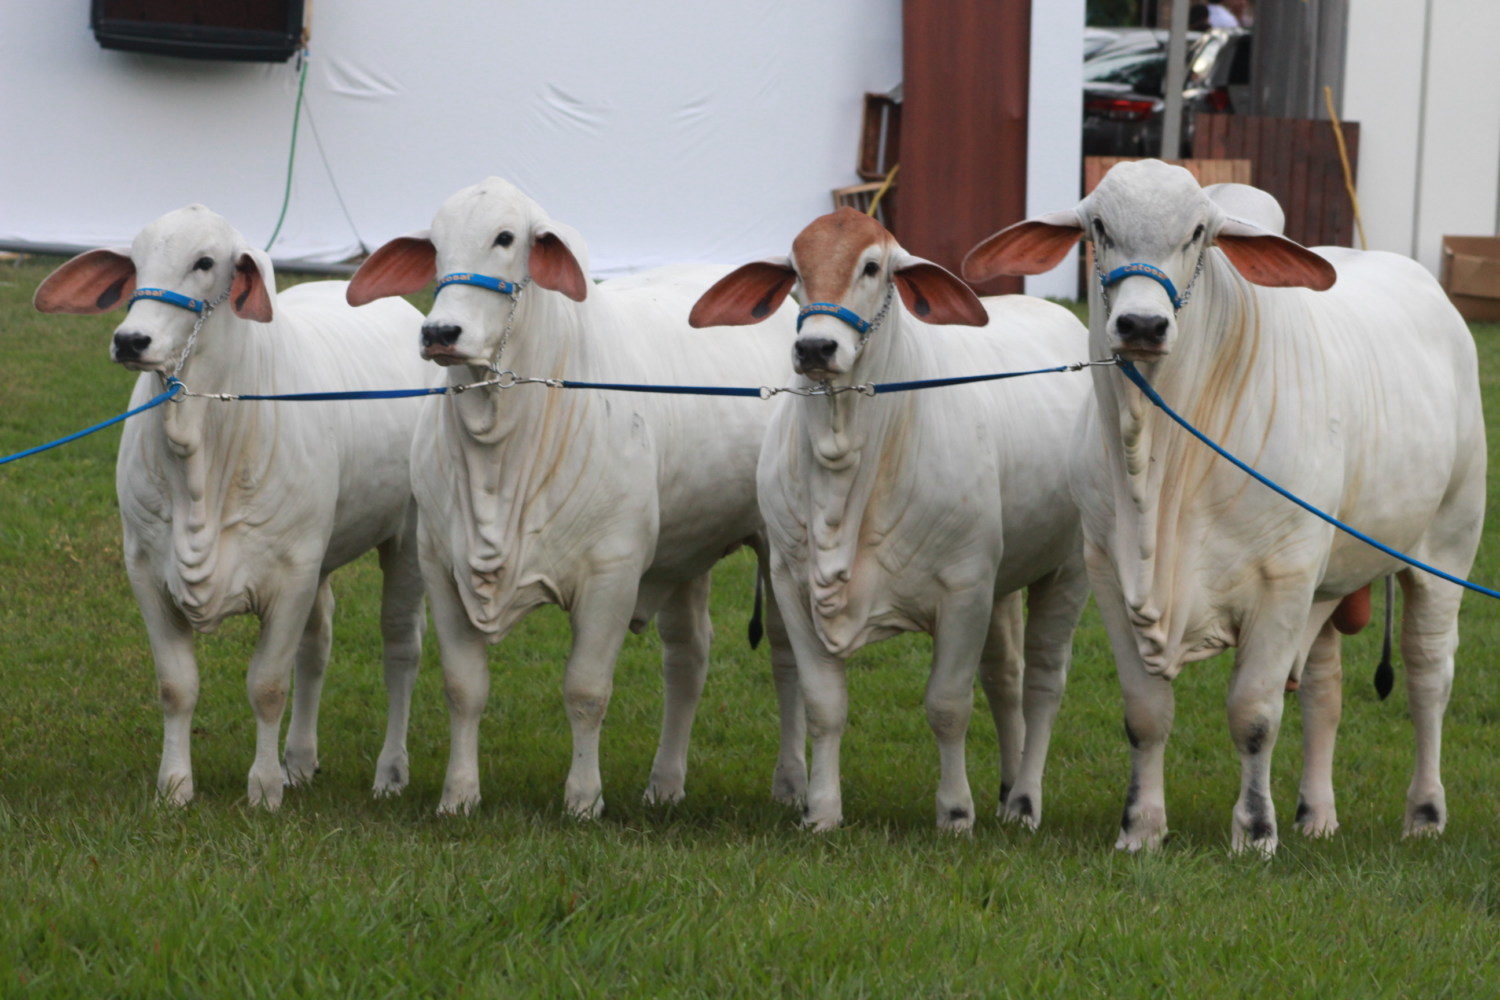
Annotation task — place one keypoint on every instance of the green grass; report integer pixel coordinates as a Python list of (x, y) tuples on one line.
[(103, 893)]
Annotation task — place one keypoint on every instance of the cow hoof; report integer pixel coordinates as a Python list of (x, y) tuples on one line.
[(391, 777), (457, 805), (264, 792), (956, 819), (300, 766), (821, 820), (1316, 822), (789, 785), (664, 793), (1426, 819), (175, 789), (1022, 808), (1260, 839), (585, 807), (1142, 829)]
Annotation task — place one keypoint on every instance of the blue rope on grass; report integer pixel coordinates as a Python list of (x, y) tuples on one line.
[(172, 389), (1139, 380)]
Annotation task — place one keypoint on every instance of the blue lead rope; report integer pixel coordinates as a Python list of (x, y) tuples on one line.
[(1139, 380), (172, 389)]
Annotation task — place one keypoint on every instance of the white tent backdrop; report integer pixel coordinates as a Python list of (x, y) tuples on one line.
[(664, 131)]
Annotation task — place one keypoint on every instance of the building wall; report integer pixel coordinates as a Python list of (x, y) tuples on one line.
[(1055, 126), (1419, 78)]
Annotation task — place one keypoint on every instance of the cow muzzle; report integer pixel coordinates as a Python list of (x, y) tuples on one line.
[(1141, 336), (129, 348), (814, 357), (439, 343)]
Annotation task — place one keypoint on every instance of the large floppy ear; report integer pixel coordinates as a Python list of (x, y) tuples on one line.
[(746, 295), (252, 294), (1031, 246), (404, 265), (1267, 258), (935, 295), (92, 282), (554, 264)]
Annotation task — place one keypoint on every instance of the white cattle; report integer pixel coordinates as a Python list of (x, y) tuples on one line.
[(613, 505), (927, 511), (234, 508), (1361, 397)]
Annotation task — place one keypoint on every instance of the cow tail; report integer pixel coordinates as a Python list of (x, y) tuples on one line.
[(757, 620), (1385, 673)]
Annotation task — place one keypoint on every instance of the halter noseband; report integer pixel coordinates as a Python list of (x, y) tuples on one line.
[(1156, 274), (478, 281), (172, 298), (860, 325)]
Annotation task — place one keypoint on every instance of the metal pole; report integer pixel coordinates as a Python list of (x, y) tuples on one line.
[(1171, 125)]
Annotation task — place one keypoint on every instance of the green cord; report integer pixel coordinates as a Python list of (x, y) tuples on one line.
[(286, 198)]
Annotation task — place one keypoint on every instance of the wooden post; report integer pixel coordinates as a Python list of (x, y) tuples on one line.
[(963, 126)]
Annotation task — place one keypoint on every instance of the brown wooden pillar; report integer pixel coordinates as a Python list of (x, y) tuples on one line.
[(963, 126)]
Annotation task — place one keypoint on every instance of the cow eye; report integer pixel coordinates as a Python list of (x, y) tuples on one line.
[(871, 269), (1197, 233), (203, 264), (505, 239), (1100, 233)]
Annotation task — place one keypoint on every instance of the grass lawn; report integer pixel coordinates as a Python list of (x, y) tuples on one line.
[(105, 894)]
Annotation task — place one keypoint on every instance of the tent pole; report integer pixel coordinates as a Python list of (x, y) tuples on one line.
[(1171, 125)]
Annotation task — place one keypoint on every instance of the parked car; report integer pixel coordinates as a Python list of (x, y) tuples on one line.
[(1123, 84)]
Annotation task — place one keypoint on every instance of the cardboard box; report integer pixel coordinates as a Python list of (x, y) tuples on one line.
[(1470, 275)]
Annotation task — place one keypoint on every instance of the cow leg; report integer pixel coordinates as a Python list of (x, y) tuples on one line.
[(1002, 671), (1429, 638), (685, 632), (600, 618), (1322, 697), (1148, 723), (1257, 695), (1054, 604), (789, 781), (301, 756), (825, 696), (464, 652), (283, 624), (959, 636), (401, 623), (171, 639)]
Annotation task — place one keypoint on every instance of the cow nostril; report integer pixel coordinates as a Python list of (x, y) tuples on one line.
[(440, 334), (818, 351), (1150, 329), (130, 345)]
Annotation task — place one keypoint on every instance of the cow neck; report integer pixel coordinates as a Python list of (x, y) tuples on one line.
[(851, 438), (514, 445), (1171, 505), (214, 455)]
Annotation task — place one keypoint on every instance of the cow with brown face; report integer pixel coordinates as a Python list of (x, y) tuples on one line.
[(921, 511)]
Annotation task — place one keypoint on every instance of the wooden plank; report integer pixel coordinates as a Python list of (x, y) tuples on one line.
[(963, 126), (1299, 220)]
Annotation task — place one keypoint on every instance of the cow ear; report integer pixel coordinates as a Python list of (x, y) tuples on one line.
[(746, 295), (1266, 258), (252, 294), (404, 265), (934, 294), (92, 282), (1031, 246), (554, 264)]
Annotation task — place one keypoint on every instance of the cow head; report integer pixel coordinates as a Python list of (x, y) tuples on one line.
[(193, 252), (844, 259), (1151, 213), (490, 229)]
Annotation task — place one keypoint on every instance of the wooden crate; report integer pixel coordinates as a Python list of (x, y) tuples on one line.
[(880, 137), (1207, 171), (1297, 161), (859, 196)]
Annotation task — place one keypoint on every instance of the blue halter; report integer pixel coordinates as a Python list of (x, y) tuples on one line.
[(478, 281), (170, 297), (836, 311), (1156, 274)]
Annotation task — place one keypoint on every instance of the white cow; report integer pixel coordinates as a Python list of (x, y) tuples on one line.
[(927, 511), (1361, 397), (613, 505), (234, 508)]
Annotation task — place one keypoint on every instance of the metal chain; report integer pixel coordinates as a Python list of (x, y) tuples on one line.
[(192, 341), (877, 319), (510, 323)]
